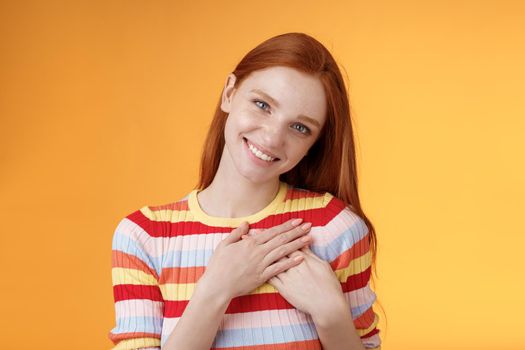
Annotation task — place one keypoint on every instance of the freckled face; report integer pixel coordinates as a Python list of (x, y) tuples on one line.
[(275, 116)]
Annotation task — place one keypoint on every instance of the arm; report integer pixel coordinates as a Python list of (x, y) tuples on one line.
[(336, 330), (198, 325), (350, 318), (138, 300)]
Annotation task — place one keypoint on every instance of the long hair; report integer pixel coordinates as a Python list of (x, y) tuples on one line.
[(330, 164)]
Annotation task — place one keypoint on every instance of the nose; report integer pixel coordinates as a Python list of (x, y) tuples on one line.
[(274, 136)]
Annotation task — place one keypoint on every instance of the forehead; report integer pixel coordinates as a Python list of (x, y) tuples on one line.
[(295, 91)]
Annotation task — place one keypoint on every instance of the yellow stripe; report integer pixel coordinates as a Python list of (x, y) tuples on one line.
[(177, 292), (362, 332), (356, 266), (184, 291), (131, 276), (136, 343), (290, 205)]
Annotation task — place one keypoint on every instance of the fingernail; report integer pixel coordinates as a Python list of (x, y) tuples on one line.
[(305, 239), (298, 258), (306, 226), (297, 221)]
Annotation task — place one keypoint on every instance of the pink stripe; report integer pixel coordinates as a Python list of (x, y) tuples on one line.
[(156, 246), (371, 342), (136, 307), (335, 228), (257, 319), (360, 296)]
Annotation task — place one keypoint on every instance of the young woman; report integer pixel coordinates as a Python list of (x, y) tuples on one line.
[(272, 250)]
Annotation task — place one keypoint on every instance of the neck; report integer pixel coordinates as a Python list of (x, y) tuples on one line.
[(232, 195)]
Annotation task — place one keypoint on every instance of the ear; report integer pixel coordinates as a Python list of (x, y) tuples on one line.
[(227, 93)]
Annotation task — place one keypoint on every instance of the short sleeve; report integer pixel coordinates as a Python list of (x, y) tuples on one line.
[(138, 299), (344, 243)]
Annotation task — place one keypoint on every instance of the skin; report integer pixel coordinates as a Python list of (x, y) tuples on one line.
[(241, 187)]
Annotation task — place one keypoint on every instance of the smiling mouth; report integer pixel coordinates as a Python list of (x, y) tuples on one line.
[(249, 146)]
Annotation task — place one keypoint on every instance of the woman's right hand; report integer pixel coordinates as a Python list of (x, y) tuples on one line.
[(238, 266)]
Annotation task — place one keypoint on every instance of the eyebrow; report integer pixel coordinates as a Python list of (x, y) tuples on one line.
[(274, 101)]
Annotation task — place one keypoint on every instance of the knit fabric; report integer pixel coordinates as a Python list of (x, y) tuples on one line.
[(160, 252)]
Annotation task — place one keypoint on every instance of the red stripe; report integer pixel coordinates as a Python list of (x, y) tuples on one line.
[(313, 344), (371, 333), (317, 216), (365, 320), (132, 291), (131, 335), (245, 303), (263, 301), (357, 250), (356, 281), (121, 259)]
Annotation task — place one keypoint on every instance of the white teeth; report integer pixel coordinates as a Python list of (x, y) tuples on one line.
[(259, 154)]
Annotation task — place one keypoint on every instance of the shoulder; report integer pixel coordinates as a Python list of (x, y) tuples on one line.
[(325, 208), (142, 233), (339, 213), (154, 219), (339, 233)]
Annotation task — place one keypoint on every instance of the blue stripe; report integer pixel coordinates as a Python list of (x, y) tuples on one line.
[(343, 242), (200, 257), (359, 310), (266, 335), (129, 246), (138, 324)]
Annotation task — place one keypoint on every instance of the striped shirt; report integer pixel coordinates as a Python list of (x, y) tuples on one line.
[(160, 252)]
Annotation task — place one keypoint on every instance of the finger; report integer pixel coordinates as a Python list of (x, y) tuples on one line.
[(270, 233), (297, 253), (286, 237), (276, 282), (306, 250), (274, 279), (236, 234), (283, 258), (285, 249), (309, 252), (252, 233), (280, 266)]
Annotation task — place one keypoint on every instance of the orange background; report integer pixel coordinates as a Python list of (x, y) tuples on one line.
[(104, 107)]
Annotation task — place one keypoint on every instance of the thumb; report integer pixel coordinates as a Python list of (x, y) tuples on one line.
[(236, 234)]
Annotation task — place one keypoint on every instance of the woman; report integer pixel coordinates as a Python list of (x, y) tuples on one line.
[(279, 168)]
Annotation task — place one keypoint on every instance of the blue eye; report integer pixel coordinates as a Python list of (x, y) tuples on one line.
[(259, 102), (304, 128)]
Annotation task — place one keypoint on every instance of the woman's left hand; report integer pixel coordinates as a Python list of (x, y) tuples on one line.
[(311, 287)]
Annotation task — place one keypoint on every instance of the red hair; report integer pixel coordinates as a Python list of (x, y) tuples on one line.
[(330, 164)]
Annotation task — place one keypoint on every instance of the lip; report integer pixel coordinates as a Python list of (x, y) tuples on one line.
[(256, 160), (262, 149)]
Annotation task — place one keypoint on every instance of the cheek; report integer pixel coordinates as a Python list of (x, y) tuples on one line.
[(244, 120), (236, 125), (299, 150)]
